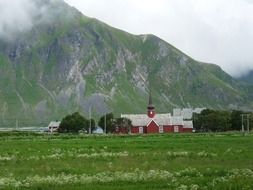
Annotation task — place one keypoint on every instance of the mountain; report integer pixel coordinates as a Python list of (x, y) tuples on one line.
[(75, 63), (247, 78)]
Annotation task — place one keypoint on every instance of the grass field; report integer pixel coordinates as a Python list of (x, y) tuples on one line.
[(183, 161)]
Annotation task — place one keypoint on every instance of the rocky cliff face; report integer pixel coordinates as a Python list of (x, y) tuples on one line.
[(74, 63)]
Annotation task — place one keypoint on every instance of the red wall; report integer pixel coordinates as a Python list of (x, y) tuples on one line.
[(135, 130), (187, 130), (168, 129), (180, 128), (152, 127), (121, 130)]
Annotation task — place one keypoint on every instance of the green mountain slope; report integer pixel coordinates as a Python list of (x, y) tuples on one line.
[(247, 78), (74, 63)]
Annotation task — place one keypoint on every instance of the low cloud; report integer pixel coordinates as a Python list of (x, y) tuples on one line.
[(18, 16)]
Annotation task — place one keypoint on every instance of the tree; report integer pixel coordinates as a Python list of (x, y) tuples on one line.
[(122, 123), (222, 120), (73, 123), (197, 122), (251, 121), (236, 120), (212, 120), (93, 125), (201, 121), (106, 119)]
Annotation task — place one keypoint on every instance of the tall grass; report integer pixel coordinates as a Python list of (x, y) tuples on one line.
[(181, 161)]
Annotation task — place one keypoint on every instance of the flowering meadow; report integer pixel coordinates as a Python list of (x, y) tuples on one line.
[(172, 161)]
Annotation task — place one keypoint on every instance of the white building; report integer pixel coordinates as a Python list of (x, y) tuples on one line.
[(54, 126)]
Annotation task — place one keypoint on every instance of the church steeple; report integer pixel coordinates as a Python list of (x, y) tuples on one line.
[(151, 107), (150, 102)]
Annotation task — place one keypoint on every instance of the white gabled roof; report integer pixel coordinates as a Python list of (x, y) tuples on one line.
[(54, 124), (163, 119), (186, 113), (160, 119), (151, 121), (177, 112), (177, 120), (198, 110), (137, 119), (188, 124)]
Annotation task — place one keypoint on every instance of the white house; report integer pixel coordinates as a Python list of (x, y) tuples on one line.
[(54, 126)]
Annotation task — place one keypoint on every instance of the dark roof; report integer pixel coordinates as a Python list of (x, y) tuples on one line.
[(150, 102)]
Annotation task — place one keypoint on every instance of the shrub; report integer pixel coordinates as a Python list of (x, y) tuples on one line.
[(73, 123)]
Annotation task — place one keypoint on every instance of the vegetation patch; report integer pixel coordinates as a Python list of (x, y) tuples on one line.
[(169, 161)]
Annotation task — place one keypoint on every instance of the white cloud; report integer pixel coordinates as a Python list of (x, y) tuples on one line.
[(217, 31), (15, 16), (20, 16)]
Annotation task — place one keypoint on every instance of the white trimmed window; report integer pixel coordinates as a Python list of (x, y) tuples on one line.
[(141, 130), (160, 129)]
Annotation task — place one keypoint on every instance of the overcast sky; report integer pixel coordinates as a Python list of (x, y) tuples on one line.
[(215, 31)]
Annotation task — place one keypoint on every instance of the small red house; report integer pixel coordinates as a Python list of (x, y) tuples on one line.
[(157, 123)]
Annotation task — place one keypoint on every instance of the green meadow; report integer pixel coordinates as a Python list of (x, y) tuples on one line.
[(173, 161)]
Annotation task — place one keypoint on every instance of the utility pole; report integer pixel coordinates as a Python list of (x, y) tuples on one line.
[(90, 120), (105, 123), (242, 124), (245, 116), (17, 125), (248, 122)]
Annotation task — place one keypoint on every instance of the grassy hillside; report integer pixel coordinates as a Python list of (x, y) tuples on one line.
[(74, 63)]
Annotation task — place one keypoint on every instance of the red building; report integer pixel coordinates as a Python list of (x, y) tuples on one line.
[(157, 123)]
